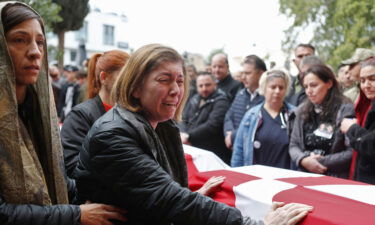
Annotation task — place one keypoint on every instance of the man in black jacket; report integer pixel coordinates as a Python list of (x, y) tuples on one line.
[(68, 96), (202, 121), (225, 82)]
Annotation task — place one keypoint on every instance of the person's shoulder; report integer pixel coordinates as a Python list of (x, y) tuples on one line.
[(88, 104), (347, 107), (241, 97), (252, 113), (220, 95), (300, 108), (290, 106), (241, 93), (111, 121), (91, 107), (234, 82), (255, 109), (346, 103)]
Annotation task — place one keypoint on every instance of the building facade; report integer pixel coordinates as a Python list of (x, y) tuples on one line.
[(101, 31)]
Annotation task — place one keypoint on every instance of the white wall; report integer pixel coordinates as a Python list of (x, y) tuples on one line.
[(95, 21)]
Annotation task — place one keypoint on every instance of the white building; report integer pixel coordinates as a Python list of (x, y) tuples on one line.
[(101, 32)]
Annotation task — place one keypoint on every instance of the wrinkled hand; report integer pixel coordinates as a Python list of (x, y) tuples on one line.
[(100, 214), (288, 214), (185, 138), (346, 123), (228, 140), (311, 164), (211, 186)]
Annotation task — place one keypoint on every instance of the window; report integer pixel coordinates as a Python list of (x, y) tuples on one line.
[(81, 34), (73, 55), (123, 45), (108, 35)]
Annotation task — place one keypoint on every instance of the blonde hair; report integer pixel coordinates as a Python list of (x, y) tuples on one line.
[(141, 63), (269, 75)]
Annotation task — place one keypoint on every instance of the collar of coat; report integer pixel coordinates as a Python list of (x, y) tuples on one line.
[(163, 144)]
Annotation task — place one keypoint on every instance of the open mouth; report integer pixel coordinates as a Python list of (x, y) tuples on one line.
[(169, 104)]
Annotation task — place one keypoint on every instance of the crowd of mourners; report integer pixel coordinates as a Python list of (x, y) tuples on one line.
[(118, 157), (315, 121)]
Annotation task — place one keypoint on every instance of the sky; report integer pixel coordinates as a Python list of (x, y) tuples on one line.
[(241, 27)]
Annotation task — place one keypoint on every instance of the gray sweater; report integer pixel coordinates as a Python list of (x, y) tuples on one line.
[(339, 156)]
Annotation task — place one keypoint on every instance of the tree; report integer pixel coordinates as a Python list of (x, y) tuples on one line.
[(340, 26), (73, 14), (48, 10)]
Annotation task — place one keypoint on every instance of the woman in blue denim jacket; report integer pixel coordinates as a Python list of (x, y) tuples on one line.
[(262, 137)]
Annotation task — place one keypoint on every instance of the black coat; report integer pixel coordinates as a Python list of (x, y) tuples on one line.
[(62, 97), (230, 86), (204, 124), (29, 214), (126, 163), (75, 128), (363, 140)]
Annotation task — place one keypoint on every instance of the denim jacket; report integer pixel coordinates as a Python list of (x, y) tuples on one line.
[(243, 148)]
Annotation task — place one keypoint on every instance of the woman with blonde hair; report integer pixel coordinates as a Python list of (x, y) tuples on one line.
[(133, 158), (262, 136), (102, 71)]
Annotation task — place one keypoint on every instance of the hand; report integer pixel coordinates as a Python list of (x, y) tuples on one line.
[(185, 138), (316, 156), (100, 214), (311, 164), (289, 214), (211, 186), (346, 123), (228, 140)]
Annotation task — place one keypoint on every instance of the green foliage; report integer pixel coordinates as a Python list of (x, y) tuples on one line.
[(48, 10), (73, 13), (340, 26)]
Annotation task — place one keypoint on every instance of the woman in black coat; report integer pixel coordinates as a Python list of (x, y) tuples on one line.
[(361, 131), (102, 72), (133, 158)]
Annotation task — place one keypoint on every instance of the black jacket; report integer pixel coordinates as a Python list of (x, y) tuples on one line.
[(76, 126), (62, 97), (230, 86), (28, 214), (204, 124), (363, 140), (125, 162)]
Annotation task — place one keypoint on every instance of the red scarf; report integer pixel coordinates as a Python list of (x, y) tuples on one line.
[(362, 107), (107, 107)]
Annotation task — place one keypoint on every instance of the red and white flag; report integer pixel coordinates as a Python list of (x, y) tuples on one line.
[(252, 189)]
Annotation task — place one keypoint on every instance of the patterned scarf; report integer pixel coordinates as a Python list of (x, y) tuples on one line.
[(22, 176)]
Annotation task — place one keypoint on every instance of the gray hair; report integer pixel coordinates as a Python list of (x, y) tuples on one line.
[(269, 75)]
